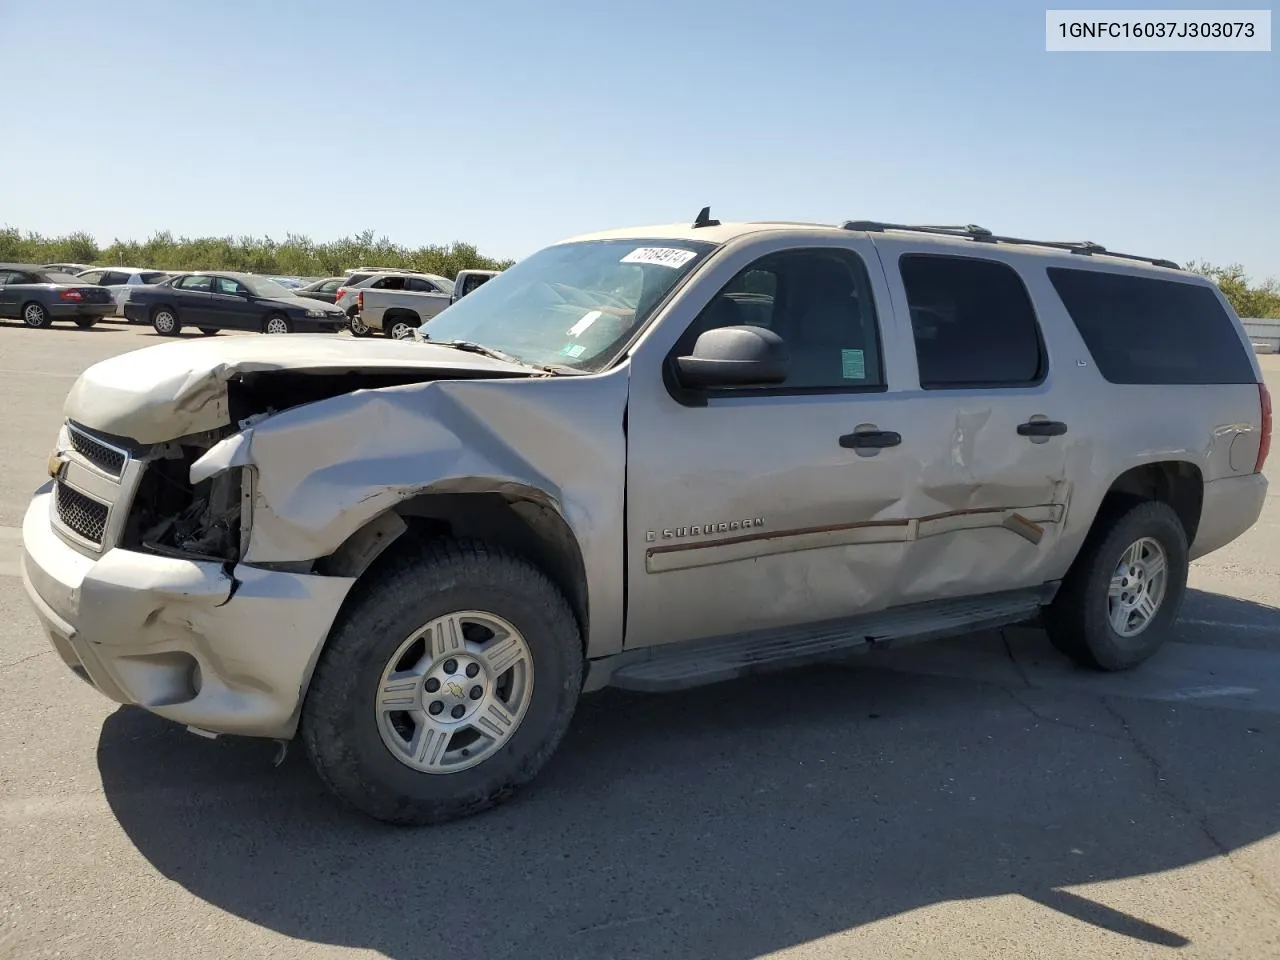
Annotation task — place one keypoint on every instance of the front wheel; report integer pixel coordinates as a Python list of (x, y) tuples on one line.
[(1121, 596), (277, 323), (446, 684), (34, 315)]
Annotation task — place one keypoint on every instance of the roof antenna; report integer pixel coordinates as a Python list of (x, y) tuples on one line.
[(704, 219)]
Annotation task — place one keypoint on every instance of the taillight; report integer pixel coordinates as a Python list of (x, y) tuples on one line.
[(1264, 447), (360, 300), (338, 296), (71, 295)]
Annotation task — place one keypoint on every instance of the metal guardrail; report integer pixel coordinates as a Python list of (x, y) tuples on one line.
[(1263, 334)]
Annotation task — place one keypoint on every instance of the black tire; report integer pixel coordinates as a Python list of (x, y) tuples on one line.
[(279, 321), (35, 316), (412, 584), (87, 323), (390, 326), (170, 327), (356, 326), (209, 331), (1077, 620)]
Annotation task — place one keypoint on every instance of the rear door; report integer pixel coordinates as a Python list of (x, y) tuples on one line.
[(757, 508), (8, 298), (995, 421), (118, 282)]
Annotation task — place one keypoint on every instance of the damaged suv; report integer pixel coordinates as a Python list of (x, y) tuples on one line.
[(650, 458)]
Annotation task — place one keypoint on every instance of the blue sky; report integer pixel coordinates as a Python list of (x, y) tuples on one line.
[(512, 124)]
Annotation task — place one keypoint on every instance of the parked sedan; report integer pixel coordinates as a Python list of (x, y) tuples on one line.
[(229, 301), (325, 289), (38, 296)]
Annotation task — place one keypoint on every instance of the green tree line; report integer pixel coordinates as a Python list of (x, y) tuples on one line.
[(295, 256), (1249, 299), (300, 256)]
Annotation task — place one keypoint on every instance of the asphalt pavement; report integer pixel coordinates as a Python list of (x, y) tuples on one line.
[(969, 798)]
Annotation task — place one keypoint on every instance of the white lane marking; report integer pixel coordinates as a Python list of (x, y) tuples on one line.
[(1226, 625), (1203, 693)]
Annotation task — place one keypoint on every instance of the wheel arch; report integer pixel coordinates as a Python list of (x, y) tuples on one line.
[(1178, 483), (522, 519)]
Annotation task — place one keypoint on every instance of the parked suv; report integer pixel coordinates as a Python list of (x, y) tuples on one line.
[(406, 299), (652, 458)]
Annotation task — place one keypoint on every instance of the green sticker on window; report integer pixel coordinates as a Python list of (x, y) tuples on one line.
[(573, 350), (853, 365)]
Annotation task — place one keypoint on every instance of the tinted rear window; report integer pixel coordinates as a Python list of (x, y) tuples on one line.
[(153, 277), (1151, 331)]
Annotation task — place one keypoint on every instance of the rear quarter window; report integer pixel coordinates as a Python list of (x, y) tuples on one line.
[(1145, 330)]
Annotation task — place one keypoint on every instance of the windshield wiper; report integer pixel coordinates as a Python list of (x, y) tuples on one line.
[(470, 346)]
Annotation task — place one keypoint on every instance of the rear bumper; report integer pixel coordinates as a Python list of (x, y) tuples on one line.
[(60, 310), (228, 653), (1230, 507)]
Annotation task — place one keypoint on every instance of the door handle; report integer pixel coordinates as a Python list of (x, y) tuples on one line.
[(1042, 428), (871, 440)]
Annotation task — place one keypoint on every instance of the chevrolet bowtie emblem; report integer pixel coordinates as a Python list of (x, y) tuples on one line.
[(56, 464)]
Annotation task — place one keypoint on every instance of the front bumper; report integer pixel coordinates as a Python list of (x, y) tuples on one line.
[(320, 324), (223, 652)]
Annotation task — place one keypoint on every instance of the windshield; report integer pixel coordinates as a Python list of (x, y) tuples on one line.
[(572, 304), (266, 287)]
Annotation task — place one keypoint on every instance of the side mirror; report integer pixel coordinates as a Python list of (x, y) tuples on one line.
[(735, 357)]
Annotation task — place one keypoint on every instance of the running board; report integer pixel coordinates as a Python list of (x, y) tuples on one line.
[(682, 665)]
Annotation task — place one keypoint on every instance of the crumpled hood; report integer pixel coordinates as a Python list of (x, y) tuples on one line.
[(176, 389)]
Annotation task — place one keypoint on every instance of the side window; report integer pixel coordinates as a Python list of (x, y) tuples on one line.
[(418, 285), (819, 302), (114, 278), (330, 286), (388, 283), (227, 286), (93, 276), (973, 322), (1147, 330), (152, 277), (195, 283)]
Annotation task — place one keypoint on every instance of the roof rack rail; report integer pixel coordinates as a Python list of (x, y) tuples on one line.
[(978, 234)]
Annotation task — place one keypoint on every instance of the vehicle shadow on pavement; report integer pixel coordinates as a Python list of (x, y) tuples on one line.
[(725, 822)]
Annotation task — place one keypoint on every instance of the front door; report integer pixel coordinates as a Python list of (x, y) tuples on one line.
[(756, 508), (231, 306)]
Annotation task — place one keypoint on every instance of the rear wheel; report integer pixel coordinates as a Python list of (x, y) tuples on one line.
[(1121, 596), (277, 323), (446, 684), (357, 326), (164, 320), (34, 315), (399, 328)]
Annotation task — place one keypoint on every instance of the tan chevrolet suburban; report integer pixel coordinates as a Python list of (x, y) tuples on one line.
[(651, 458)]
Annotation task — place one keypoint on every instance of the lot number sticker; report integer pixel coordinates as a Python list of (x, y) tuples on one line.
[(659, 256), (853, 364)]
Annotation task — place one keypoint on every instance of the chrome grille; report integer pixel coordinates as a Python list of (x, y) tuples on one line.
[(105, 457), (82, 515)]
